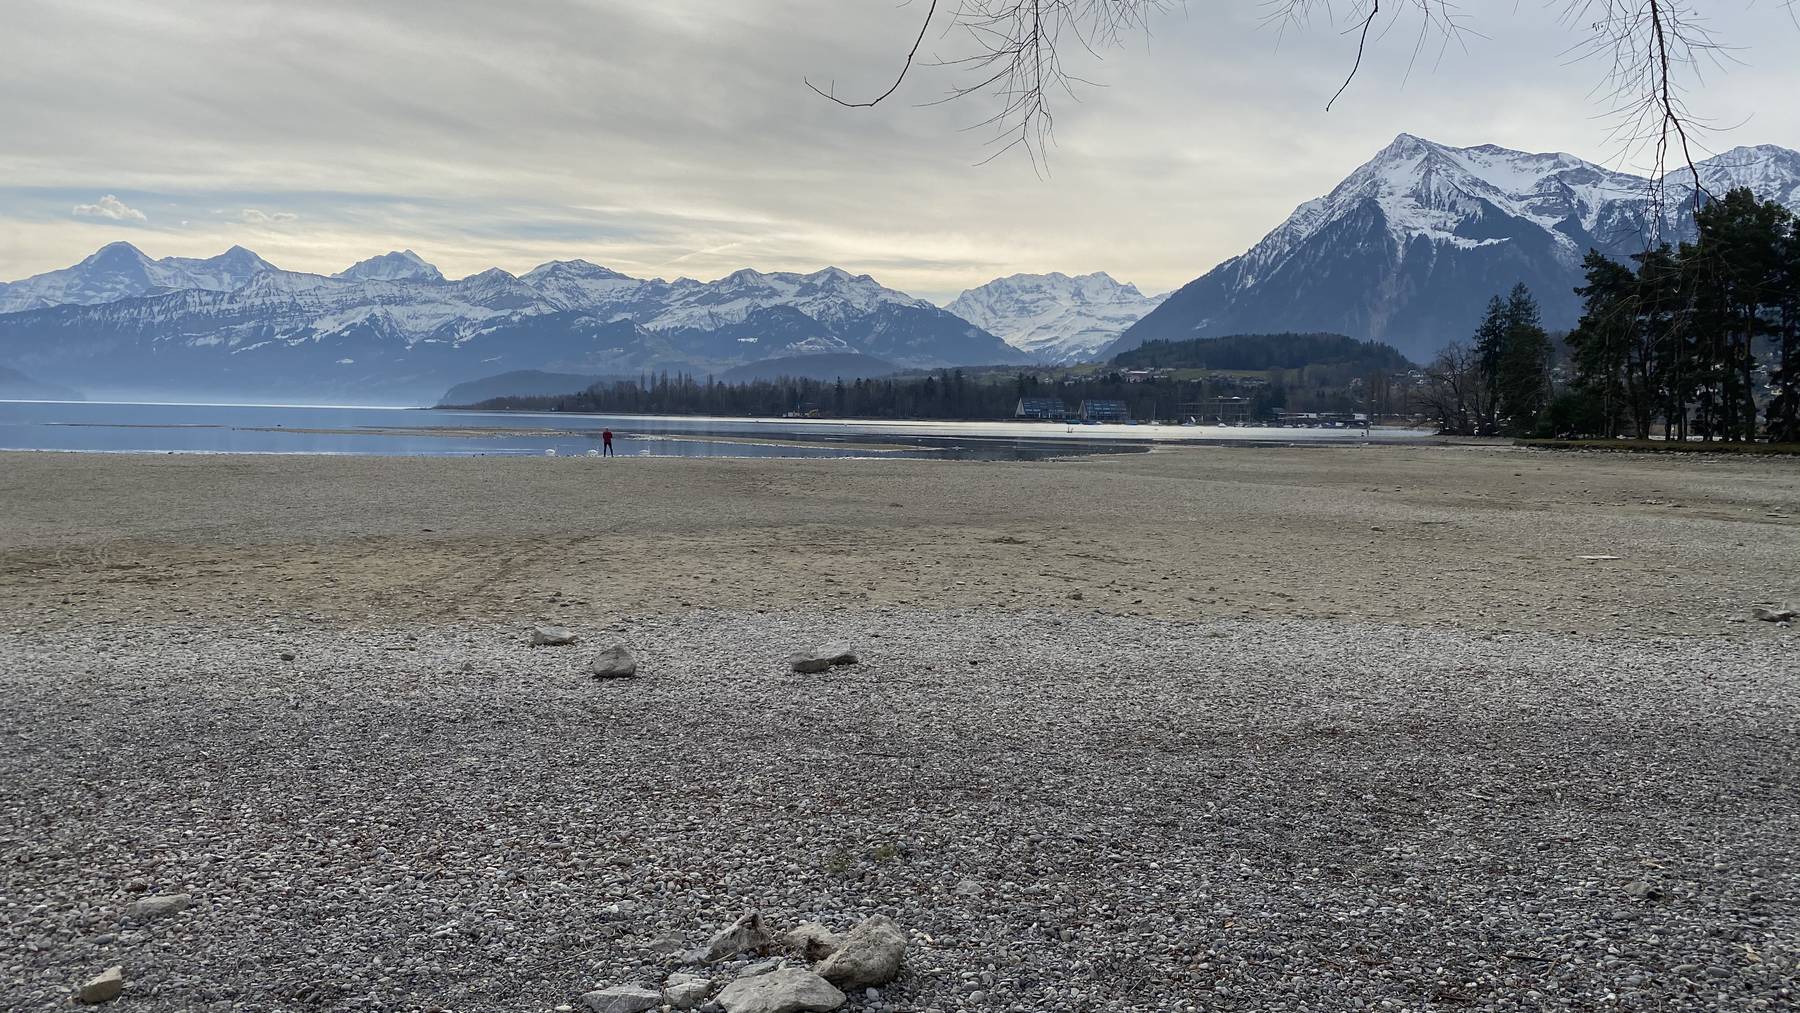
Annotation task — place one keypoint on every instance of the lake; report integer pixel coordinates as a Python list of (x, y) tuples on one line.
[(317, 429)]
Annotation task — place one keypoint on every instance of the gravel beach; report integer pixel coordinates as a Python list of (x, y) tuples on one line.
[(1207, 729)]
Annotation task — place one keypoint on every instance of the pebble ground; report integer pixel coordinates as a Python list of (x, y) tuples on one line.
[(1067, 811)]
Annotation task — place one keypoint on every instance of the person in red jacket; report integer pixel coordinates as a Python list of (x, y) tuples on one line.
[(606, 443)]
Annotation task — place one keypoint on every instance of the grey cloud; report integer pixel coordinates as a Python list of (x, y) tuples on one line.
[(677, 136)]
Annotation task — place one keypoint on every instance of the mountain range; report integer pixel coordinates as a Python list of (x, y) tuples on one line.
[(1055, 318), (1406, 251), (393, 327), (1410, 246), (121, 271)]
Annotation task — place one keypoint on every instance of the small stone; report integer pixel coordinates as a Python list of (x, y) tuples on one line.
[(622, 999), (152, 908), (685, 991), (104, 988), (968, 888), (821, 658), (287, 655), (1773, 615), (551, 636), (788, 990), (870, 955), (614, 663), (747, 934), (812, 941)]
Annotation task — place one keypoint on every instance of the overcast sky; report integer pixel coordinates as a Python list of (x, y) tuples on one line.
[(674, 137)]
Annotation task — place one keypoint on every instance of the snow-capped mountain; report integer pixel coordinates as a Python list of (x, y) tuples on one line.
[(1053, 317), (121, 270), (1410, 246), (1772, 173), (398, 265), (393, 326)]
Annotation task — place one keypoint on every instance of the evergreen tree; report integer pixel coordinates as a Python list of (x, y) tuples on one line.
[(1512, 353)]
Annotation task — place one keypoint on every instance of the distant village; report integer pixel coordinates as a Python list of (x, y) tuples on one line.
[(1214, 411)]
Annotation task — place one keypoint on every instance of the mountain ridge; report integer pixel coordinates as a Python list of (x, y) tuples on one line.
[(393, 323), (1409, 246)]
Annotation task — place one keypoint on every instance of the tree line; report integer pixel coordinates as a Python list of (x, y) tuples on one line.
[(1264, 352), (944, 394), (1696, 340)]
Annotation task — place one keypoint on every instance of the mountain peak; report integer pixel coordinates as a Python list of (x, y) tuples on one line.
[(1055, 317), (116, 253), (1408, 246), (245, 260), (398, 265), (573, 269)]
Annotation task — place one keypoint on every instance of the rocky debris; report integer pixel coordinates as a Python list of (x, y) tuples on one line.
[(784, 990), (821, 658), (870, 955), (551, 636), (613, 663), (733, 787), (685, 991), (746, 935), (152, 908), (811, 940), (103, 988), (1774, 615), (622, 999)]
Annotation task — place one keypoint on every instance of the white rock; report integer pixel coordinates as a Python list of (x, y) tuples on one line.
[(812, 941), (622, 999), (551, 636), (613, 663), (744, 935), (685, 991), (788, 990), (152, 908), (870, 955), (104, 988)]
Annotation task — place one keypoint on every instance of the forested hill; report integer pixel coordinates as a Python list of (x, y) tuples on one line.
[(1265, 351)]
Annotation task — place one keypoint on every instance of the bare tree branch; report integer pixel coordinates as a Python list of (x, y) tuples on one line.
[(1362, 43), (1014, 54), (911, 54)]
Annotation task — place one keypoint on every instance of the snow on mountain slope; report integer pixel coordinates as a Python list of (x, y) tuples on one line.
[(830, 296), (1773, 173), (1408, 248), (121, 271), (398, 265), (1053, 317), (577, 284), (363, 331)]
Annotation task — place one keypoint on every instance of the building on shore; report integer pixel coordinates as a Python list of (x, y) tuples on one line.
[(1104, 411), (1223, 411), (1041, 408)]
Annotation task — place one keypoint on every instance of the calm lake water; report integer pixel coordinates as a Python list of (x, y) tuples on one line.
[(269, 429)]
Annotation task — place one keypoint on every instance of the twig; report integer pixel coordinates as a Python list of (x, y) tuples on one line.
[(907, 66)]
